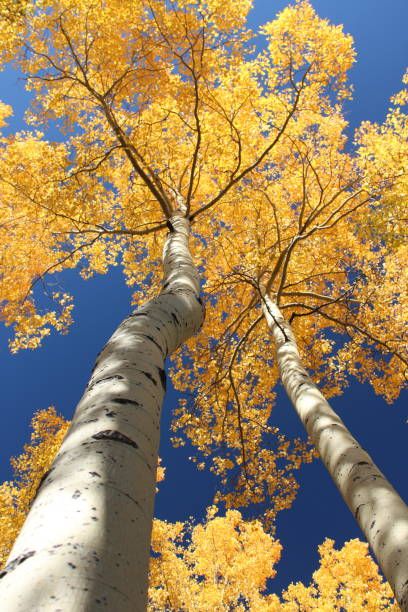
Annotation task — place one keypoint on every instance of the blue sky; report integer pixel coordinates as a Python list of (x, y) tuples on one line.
[(57, 373)]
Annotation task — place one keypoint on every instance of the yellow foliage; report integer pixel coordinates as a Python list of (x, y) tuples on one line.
[(48, 431), (300, 39), (13, 15), (165, 103), (225, 563), (5, 111), (347, 579), (383, 152)]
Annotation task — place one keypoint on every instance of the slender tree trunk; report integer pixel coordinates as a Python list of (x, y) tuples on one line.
[(380, 512), (86, 541)]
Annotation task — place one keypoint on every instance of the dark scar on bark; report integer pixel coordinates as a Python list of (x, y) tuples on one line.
[(357, 512), (123, 400), (16, 562), (175, 318), (149, 376), (115, 436), (162, 375), (114, 377), (154, 342)]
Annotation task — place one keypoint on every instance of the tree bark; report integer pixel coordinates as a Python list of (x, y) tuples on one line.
[(86, 541), (380, 512)]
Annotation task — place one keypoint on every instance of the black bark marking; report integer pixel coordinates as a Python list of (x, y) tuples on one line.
[(122, 400), (165, 285), (301, 387), (116, 436), (114, 377), (149, 376), (170, 226), (357, 512), (154, 341), (372, 477), (16, 562), (175, 318), (95, 474), (138, 314), (77, 494), (44, 477), (111, 414), (358, 464), (162, 375), (71, 565)]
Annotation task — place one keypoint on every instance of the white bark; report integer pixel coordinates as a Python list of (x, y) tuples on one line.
[(86, 541), (380, 512)]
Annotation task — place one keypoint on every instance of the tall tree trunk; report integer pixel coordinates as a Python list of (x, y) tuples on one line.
[(377, 507), (86, 541)]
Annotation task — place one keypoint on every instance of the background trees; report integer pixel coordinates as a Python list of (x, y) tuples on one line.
[(225, 561)]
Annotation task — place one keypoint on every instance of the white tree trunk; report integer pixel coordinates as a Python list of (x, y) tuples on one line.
[(377, 507), (85, 544)]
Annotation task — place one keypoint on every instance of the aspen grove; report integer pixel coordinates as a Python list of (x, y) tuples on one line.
[(260, 246)]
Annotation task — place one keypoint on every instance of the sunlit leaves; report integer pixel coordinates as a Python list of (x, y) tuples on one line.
[(13, 15), (305, 49), (48, 431), (226, 563)]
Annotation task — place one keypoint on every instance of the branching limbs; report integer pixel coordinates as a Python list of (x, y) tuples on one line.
[(103, 100), (237, 178)]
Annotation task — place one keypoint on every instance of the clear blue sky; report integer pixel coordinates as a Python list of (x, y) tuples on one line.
[(57, 373)]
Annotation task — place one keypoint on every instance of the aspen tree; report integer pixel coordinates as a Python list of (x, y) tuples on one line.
[(100, 554), (376, 506), (320, 243)]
